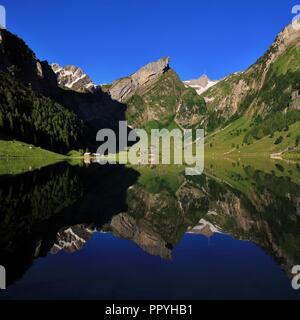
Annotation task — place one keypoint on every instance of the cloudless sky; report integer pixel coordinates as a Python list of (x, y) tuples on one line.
[(110, 39)]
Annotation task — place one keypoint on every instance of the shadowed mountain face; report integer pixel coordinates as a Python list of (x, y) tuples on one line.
[(41, 101)]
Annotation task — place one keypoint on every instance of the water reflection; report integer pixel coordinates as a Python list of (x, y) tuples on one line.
[(59, 209), (37, 207)]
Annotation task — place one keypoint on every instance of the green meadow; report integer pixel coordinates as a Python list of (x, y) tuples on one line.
[(18, 157)]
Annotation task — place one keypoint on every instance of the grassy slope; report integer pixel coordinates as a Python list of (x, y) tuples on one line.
[(221, 142), (229, 141), (18, 157), (10, 148), (266, 145), (273, 95)]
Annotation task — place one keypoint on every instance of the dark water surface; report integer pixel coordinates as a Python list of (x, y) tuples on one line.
[(111, 232)]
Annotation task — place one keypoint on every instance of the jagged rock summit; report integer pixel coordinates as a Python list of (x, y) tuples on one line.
[(72, 77), (124, 88), (202, 84)]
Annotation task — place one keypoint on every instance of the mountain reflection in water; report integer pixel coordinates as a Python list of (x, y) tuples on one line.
[(60, 209)]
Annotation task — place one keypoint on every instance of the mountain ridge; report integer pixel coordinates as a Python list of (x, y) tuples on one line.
[(155, 96)]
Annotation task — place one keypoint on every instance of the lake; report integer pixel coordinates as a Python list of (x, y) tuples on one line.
[(88, 231)]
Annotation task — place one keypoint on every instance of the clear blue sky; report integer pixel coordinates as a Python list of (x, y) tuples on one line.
[(113, 38)]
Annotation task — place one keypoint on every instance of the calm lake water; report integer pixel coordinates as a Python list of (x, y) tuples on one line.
[(112, 232)]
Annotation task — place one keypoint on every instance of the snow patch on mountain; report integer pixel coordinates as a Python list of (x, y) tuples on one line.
[(201, 85)]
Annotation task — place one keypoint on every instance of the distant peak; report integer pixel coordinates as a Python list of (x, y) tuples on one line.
[(202, 84), (73, 78), (204, 77)]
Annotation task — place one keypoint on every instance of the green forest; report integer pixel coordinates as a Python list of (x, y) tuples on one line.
[(29, 117)]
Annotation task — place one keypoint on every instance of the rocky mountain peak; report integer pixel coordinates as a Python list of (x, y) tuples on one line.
[(73, 78), (124, 88), (203, 80), (150, 72)]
